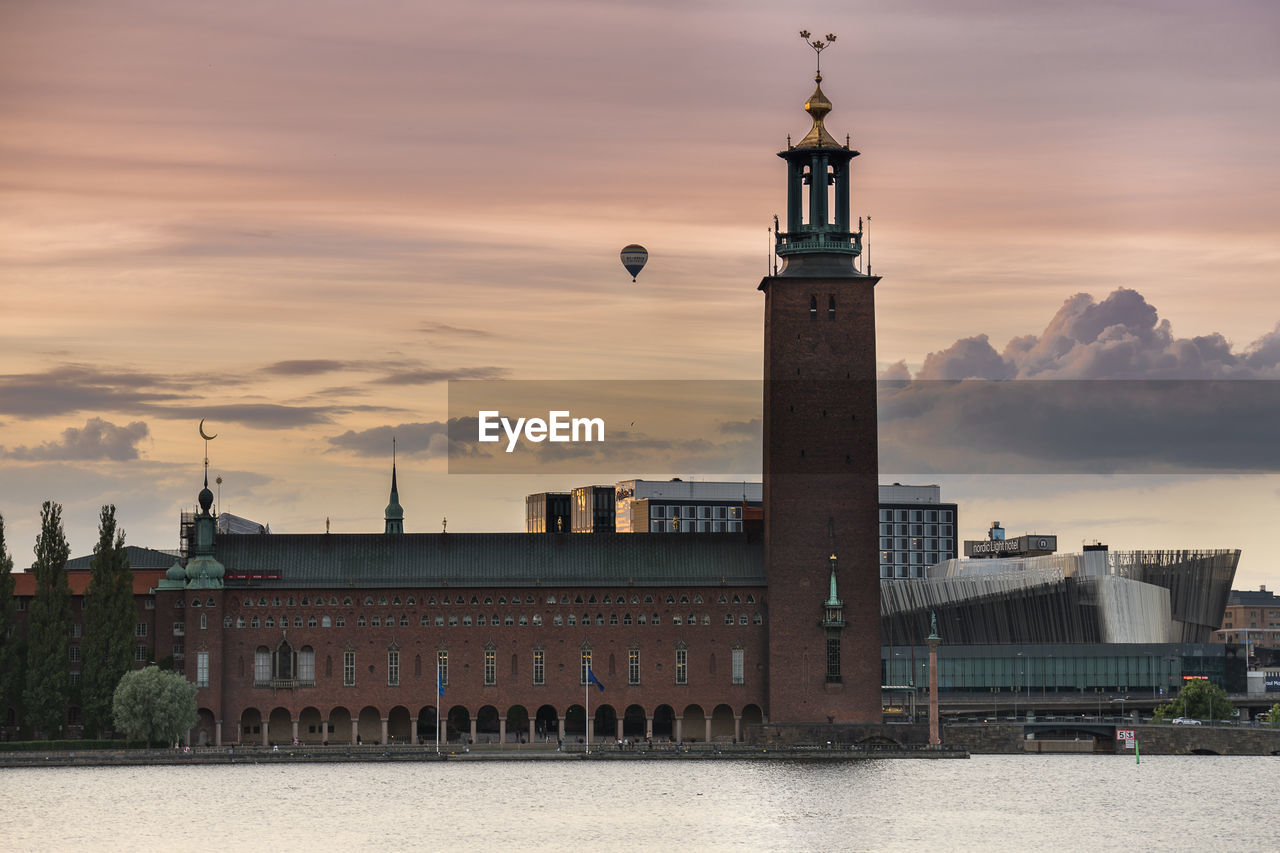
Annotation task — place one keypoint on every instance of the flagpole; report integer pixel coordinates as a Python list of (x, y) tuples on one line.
[(437, 706), (586, 718)]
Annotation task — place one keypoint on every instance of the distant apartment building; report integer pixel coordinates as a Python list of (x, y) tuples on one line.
[(591, 509), (676, 506), (1251, 618), (547, 512), (917, 529)]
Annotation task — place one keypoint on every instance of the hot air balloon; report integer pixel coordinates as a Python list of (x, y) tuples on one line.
[(633, 258)]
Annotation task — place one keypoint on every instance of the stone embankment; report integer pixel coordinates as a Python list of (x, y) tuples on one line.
[(1009, 738), (454, 752)]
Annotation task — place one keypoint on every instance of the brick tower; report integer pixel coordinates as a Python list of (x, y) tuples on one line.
[(820, 462)]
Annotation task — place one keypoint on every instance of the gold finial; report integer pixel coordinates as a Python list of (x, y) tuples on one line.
[(818, 106)]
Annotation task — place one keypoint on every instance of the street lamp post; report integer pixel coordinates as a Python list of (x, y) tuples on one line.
[(1015, 687)]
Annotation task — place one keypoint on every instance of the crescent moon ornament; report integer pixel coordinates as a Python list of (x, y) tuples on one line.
[(206, 437)]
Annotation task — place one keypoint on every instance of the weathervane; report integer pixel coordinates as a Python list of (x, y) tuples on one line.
[(207, 439), (818, 45)]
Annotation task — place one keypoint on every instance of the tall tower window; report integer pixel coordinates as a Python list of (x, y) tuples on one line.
[(831, 306), (490, 667), (813, 307), (349, 668), (539, 666), (682, 666), (633, 666), (833, 660), (586, 665)]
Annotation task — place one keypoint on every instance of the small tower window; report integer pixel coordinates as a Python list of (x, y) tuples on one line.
[(831, 306), (813, 307)]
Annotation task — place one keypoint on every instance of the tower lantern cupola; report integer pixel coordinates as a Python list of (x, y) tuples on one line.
[(819, 238)]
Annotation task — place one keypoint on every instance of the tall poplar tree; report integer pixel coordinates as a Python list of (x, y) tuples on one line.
[(48, 668), (10, 659), (109, 621)]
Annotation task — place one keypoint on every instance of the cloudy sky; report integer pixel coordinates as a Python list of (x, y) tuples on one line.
[(300, 219)]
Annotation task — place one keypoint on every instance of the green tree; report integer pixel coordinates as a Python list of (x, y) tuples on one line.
[(48, 687), (1201, 700), (153, 705), (1275, 716), (109, 620), (10, 659)]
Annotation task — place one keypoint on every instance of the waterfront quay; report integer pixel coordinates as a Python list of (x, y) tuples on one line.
[(484, 752)]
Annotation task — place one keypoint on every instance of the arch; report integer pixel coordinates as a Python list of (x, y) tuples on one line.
[(547, 723), (399, 726), (634, 722), (458, 723), (752, 716), (664, 722), (369, 725), (694, 726), (487, 724), (284, 660), (575, 721), (427, 724), (310, 725), (340, 729), (250, 726), (722, 722), (605, 723), (517, 723), (205, 730), (280, 726)]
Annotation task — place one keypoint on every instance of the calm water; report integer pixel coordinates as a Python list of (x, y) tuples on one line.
[(987, 803)]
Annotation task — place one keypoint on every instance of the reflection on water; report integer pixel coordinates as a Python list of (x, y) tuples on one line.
[(987, 803)]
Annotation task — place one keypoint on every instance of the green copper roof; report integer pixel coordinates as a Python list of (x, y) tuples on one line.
[(490, 559)]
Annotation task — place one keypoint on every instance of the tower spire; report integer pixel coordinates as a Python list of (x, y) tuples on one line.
[(395, 513)]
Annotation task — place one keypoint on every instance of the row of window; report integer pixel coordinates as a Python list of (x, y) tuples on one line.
[(943, 530), (914, 558), (683, 526), (298, 668), (917, 515), (703, 512), (411, 601), (914, 543), (466, 620)]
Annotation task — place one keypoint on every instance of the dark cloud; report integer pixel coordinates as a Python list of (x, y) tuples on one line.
[(304, 367), (966, 359), (753, 428), (96, 440), (259, 415), (428, 376), (72, 388), (1126, 395), (445, 330), (429, 439), (1121, 337)]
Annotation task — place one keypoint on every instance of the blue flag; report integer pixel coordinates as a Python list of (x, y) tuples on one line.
[(591, 679)]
